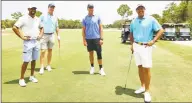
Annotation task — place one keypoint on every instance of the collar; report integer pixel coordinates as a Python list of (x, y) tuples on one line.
[(30, 16), (142, 18), (49, 14), (90, 16)]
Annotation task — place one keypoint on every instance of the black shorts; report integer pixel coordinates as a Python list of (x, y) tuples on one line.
[(93, 45)]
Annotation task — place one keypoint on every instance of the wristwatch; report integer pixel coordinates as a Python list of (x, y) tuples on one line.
[(101, 39)]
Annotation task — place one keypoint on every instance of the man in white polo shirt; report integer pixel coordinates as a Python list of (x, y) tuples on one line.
[(31, 33), (50, 25)]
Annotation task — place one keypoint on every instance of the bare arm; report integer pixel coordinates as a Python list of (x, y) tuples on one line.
[(101, 31), (83, 33), (57, 31), (158, 35), (17, 32), (131, 38)]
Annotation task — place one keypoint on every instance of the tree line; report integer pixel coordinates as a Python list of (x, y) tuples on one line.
[(172, 13)]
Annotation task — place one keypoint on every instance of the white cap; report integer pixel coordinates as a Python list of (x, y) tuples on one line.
[(32, 6)]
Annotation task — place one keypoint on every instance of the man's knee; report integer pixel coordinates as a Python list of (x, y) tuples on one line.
[(99, 55), (49, 50)]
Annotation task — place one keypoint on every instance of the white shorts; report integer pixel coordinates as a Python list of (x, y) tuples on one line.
[(143, 55), (31, 50), (47, 41)]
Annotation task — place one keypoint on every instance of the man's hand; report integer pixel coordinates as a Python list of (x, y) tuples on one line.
[(150, 43), (132, 48), (25, 38), (84, 43), (39, 37), (101, 42)]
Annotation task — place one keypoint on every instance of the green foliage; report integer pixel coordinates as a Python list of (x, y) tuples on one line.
[(124, 10), (72, 24), (158, 18), (16, 15), (38, 13)]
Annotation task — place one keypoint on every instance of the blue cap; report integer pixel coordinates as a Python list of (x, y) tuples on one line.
[(51, 5)]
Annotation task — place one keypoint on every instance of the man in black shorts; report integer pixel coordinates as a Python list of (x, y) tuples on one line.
[(93, 37)]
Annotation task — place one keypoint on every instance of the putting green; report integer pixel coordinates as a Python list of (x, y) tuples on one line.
[(171, 73)]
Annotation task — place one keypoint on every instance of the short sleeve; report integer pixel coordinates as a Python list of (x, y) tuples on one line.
[(40, 24), (156, 26), (99, 21), (83, 22), (41, 18), (131, 27), (20, 22)]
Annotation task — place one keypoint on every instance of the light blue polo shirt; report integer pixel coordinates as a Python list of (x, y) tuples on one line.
[(91, 24), (50, 22), (143, 29)]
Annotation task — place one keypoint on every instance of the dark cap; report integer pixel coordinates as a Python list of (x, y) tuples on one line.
[(90, 6), (140, 5), (51, 5)]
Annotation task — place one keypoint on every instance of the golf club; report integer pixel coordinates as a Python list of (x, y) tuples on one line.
[(59, 66), (128, 69)]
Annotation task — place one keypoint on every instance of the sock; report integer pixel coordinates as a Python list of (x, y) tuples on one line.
[(92, 65), (100, 66), (42, 66)]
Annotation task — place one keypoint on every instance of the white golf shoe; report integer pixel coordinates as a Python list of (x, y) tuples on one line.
[(102, 72), (140, 90), (41, 71), (92, 70), (147, 97), (22, 83), (48, 68), (33, 79)]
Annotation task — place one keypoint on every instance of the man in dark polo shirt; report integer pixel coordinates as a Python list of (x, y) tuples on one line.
[(93, 37)]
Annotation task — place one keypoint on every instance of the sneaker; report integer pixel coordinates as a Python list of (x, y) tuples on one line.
[(22, 83), (33, 79), (147, 97), (140, 90), (102, 72), (48, 68), (41, 71), (92, 70)]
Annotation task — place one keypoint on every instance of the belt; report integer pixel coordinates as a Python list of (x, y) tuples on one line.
[(141, 43), (48, 33)]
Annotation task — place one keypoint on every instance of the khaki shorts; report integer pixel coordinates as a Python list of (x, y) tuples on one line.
[(47, 41)]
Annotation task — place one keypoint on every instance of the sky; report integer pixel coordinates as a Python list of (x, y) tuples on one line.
[(107, 10)]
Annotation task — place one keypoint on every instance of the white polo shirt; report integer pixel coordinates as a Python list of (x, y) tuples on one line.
[(29, 26)]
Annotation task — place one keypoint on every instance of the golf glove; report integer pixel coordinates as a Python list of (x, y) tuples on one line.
[(58, 37)]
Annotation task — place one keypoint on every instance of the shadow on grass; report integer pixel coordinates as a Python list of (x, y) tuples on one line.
[(16, 81), (37, 69), (127, 43), (82, 72), (121, 90)]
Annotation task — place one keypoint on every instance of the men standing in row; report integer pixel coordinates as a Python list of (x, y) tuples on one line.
[(32, 31), (92, 33), (50, 24)]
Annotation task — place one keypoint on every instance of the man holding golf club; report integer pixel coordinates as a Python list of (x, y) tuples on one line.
[(92, 33), (50, 24), (142, 28), (32, 31)]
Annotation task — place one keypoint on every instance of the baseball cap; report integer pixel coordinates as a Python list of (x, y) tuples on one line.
[(32, 6), (140, 5), (51, 5), (90, 6)]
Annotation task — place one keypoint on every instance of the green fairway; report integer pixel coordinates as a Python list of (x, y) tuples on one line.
[(171, 72)]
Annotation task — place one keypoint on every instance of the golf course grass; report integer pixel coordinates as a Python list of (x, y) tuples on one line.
[(69, 81)]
